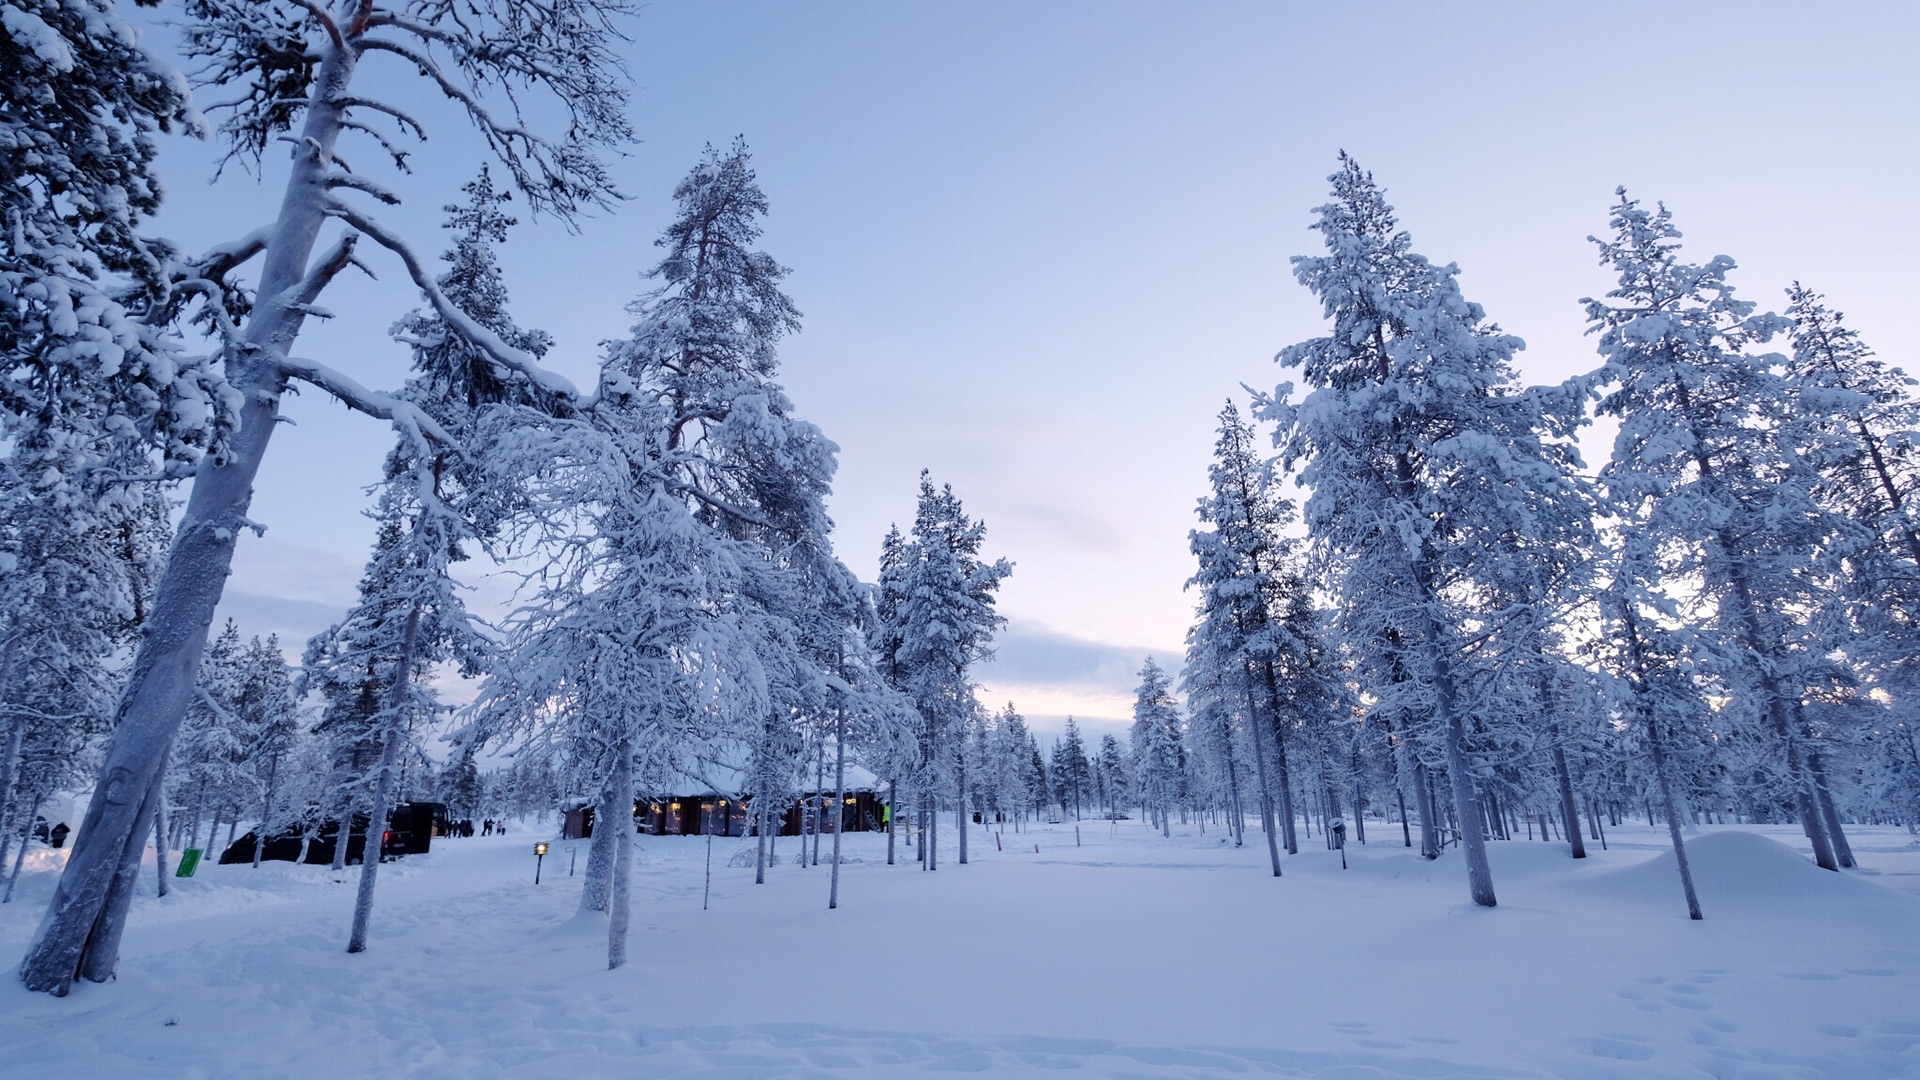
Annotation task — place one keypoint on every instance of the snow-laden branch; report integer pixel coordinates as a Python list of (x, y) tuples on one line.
[(723, 505), (220, 260), (489, 342), (309, 288), (405, 415), (360, 183)]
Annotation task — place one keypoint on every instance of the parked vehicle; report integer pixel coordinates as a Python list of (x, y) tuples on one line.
[(410, 830)]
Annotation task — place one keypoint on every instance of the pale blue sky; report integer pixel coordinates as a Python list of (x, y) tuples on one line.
[(1037, 245)]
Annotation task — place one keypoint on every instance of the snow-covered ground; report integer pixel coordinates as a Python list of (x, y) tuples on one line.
[(1128, 955)]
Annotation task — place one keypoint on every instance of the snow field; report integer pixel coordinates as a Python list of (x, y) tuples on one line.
[(1128, 956)]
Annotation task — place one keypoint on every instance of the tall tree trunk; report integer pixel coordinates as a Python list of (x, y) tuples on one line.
[(266, 811), (342, 833), (621, 906), (596, 892), (762, 818), (394, 724), (960, 802), (20, 853), (160, 841), (1568, 808), (1429, 813), (1829, 814), (819, 783), (1664, 772), (1266, 792), (893, 800), (103, 949), (9, 766), (839, 803), (81, 928), (1472, 842)]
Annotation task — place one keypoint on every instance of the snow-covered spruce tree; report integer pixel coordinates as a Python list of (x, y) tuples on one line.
[(941, 624), (437, 501), (681, 573), (453, 380), (1864, 417), (290, 69), (77, 555), (210, 750), (1070, 771), (1414, 442), (1256, 636), (1110, 773), (1708, 477), (1654, 654), (409, 618), (267, 707), (1159, 746)]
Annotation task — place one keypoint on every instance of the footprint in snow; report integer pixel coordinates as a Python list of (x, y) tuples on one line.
[(1620, 1047)]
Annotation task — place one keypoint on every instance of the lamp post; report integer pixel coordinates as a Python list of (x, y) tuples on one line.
[(539, 853)]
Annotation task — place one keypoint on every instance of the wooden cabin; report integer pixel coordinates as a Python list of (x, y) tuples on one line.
[(699, 815)]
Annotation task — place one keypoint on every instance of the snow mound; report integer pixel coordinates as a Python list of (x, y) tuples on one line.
[(1736, 870)]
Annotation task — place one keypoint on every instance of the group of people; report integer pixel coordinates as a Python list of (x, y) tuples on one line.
[(488, 827)]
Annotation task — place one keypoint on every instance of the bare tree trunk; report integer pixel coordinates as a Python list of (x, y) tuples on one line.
[(1568, 808), (839, 803), (621, 908), (1472, 843), (342, 832), (395, 730), (1665, 773), (9, 767), (1830, 814), (160, 842), (762, 818), (1267, 823), (960, 803), (20, 855), (893, 800), (266, 811), (819, 782)]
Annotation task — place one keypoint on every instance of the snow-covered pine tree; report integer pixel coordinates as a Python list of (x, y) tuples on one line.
[(1715, 498), (266, 705), (1863, 418), (684, 591), (1159, 746), (284, 65), (942, 623), (1258, 635), (1070, 771), (409, 618), (434, 501), (211, 750), (1414, 441), (1110, 773)]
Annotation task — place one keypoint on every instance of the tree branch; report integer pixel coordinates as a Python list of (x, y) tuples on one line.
[(480, 336)]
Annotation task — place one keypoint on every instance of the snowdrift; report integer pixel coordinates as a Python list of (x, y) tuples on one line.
[(1742, 872)]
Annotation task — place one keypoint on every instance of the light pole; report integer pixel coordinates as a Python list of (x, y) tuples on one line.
[(539, 853)]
